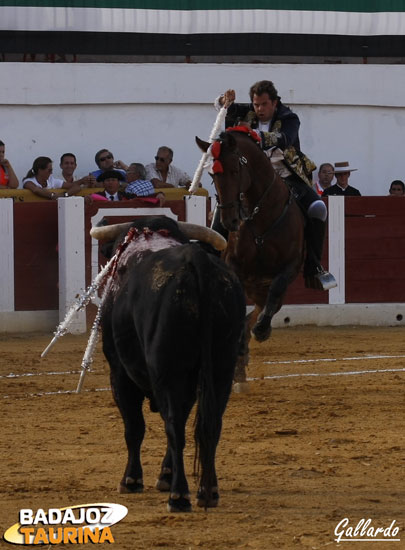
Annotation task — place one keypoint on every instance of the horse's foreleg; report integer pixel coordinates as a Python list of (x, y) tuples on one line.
[(262, 329)]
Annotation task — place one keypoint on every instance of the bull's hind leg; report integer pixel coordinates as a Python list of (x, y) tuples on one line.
[(164, 481), (209, 420), (175, 410), (129, 401)]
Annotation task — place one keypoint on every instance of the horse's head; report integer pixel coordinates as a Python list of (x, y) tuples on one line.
[(231, 177)]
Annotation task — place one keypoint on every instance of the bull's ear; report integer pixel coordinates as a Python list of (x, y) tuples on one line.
[(203, 145)]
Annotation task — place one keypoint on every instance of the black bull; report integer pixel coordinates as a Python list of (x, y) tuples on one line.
[(171, 325)]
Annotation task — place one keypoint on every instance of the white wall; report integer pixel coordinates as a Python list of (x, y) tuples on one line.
[(348, 112)]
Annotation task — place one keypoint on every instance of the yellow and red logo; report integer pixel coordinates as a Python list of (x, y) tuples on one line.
[(81, 524)]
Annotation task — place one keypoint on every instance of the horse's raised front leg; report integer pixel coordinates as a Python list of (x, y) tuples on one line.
[(262, 329)]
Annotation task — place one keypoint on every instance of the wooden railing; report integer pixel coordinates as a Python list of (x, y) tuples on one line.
[(365, 249)]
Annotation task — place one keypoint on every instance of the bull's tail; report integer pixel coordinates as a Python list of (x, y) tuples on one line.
[(208, 415)]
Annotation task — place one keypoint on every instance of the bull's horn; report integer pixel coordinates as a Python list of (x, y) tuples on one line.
[(190, 230), (109, 232), (204, 234)]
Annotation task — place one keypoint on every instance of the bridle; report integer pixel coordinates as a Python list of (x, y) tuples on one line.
[(238, 204), (241, 196)]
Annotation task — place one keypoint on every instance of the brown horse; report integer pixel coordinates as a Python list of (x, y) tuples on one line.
[(265, 224)]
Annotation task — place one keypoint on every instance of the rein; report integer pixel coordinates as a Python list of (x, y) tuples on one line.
[(261, 238)]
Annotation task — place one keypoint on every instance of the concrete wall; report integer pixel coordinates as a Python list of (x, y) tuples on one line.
[(348, 112)]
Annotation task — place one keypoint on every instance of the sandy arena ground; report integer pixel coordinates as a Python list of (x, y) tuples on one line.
[(319, 438)]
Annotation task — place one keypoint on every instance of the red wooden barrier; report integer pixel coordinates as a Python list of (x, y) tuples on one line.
[(36, 256), (375, 249), (374, 262)]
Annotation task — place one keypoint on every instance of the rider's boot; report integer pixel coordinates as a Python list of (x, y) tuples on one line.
[(314, 274)]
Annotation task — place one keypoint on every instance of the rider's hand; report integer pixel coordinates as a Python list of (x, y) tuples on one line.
[(228, 98)]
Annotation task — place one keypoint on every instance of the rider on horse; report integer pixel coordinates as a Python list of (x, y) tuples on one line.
[(278, 128)]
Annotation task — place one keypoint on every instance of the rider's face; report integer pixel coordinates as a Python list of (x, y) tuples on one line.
[(264, 107)]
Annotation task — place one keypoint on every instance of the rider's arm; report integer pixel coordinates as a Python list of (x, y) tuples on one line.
[(284, 133)]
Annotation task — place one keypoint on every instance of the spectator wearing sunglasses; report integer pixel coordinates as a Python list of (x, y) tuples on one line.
[(105, 162), (162, 173)]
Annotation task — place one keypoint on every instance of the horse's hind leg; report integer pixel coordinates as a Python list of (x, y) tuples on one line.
[(242, 360)]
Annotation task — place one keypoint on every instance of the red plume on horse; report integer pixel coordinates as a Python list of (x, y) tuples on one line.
[(266, 240)]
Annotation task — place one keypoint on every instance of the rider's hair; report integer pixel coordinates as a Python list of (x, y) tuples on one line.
[(263, 87)]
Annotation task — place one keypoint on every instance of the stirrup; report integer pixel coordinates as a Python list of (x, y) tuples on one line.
[(322, 280)]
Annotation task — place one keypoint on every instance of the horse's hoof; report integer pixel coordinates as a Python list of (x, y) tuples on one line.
[(262, 329), (163, 485), (131, 486), (164, 481), (241, 387), (178, 503), (212, 502)]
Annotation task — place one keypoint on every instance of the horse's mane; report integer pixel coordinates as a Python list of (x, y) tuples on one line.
[(229, 137), (245, 130)]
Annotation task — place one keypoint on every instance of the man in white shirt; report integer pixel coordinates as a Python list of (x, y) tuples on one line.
[(68, 165), (162, 173)]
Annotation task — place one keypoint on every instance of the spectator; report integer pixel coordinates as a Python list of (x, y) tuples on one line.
[(105, 162), (68, 165), (325, 177), (8, 179), (342, 172), (138, 185), (111, 181), (397, 188), (41, 182), (163, 174)]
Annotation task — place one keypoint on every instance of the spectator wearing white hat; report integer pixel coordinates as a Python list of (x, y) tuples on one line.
[(342, 172)]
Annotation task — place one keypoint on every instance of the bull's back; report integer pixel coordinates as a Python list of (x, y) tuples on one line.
[(172, 298)]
